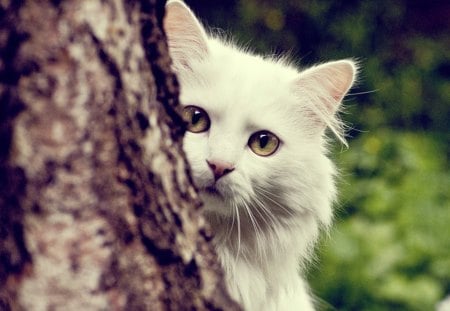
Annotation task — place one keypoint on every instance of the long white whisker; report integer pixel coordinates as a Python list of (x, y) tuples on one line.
[(267, 195), (230, 228), (261, 208), (361, 93), (236, 208), (258, 230), (272, 223)]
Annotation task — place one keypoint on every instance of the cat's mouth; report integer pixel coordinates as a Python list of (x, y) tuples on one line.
[(212, 190)]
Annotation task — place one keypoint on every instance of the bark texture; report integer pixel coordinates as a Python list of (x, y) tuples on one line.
[(97, 209)]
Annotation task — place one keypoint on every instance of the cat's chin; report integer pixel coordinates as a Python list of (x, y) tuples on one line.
[(214, 202)]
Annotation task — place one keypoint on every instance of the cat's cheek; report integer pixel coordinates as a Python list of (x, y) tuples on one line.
[(195, 151)]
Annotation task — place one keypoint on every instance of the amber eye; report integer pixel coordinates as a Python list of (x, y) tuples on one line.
[(196, 118), (263, 143)]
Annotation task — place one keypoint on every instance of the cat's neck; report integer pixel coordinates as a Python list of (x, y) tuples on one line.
[(263, 240)]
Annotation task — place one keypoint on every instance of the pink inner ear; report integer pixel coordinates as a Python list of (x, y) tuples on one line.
[(341, 78), (320, 91), (328, 83), (186, 36)]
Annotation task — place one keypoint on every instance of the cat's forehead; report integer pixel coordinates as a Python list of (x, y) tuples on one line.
[(230, 81), (244, 69)]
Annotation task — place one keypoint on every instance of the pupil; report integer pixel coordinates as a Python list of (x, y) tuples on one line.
[(196, 117), (263, 140)]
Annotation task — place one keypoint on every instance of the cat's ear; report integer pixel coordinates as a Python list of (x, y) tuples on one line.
[(186, 35), (322, 89)]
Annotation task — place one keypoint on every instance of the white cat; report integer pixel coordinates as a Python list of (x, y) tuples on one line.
[(257, 150)]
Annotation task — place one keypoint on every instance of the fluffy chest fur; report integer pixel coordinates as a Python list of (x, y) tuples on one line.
[(257, 151)]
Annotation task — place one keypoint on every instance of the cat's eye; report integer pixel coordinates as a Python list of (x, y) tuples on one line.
[(263, 143), (197, 120)]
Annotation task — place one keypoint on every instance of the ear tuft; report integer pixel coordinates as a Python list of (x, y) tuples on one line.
[(186, 36)]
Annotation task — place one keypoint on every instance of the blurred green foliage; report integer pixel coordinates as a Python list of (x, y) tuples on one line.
[(390, 248)]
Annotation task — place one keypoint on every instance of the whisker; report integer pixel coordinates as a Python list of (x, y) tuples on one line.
[(255, 225), (238, 230), (267, 195), (362, 93), (230, 228), (271, 223), (262, 207), (291, 212)]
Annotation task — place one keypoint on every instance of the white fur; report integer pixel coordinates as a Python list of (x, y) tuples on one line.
[(269, 210)]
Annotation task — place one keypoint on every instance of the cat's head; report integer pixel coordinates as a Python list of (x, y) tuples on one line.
[(255, 125)]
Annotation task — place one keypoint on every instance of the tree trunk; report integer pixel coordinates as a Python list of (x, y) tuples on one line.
[(97, 209)]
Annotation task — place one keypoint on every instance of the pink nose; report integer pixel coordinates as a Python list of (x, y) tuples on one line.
[(220, 168)]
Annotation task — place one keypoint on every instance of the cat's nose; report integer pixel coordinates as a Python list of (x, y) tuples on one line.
[(220, 168)]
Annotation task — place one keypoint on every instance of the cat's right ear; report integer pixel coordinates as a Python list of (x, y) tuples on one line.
[(186, 35)]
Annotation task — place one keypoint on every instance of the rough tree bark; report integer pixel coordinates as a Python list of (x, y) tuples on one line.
[(97, 209)]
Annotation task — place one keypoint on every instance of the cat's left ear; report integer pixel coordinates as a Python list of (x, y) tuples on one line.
[(323, 87), (186, 36)]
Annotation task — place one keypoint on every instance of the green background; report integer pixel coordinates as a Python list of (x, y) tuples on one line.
[(390, 247)]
